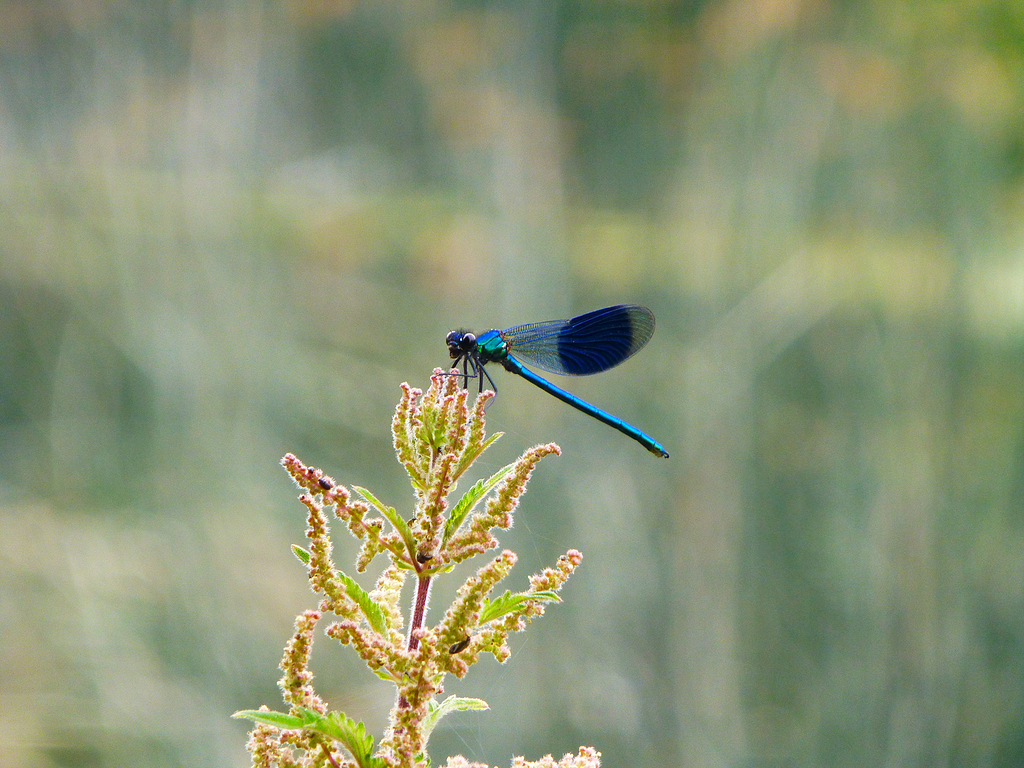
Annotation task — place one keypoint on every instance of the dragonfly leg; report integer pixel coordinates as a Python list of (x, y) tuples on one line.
[(490, 381), (469, 361), (454, 371), (470, 370)]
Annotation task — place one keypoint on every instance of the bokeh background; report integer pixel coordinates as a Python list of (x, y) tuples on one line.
[(230, 229)]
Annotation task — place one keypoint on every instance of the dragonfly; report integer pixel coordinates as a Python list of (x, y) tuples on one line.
[(586, 344)]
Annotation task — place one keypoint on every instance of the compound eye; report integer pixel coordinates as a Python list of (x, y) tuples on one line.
[(469, 340), (452, 338)]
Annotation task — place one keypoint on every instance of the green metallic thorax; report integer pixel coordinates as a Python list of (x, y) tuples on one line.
[(491, 347)]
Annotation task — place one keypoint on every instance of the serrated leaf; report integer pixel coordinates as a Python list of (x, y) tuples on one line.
[(469, 458), (491, 441), (336, 726), (301, 553), (470, 499), (374, 501), (509, 603), (452, 704), (374, 613), (350, 733), (384, 675), (392, 516), (276, 719)]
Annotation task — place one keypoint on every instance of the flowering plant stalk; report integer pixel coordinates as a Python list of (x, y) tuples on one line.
[(437, 437)]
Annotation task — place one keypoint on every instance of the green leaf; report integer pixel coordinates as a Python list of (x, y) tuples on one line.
[(392, 516), (490, 441), (301, 553), (452, 704), (348, 732), (373, 612), (469, 458), (470, 499), (509, 603), (384, 675), (374, 501), (336, 726), (276, 719)]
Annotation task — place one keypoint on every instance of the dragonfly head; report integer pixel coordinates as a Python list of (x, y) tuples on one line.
[(460, 344)]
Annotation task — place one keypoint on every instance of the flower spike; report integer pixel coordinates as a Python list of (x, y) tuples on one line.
[(438, 435)]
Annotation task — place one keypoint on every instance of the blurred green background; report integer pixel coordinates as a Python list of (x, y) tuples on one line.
[(229, 230)]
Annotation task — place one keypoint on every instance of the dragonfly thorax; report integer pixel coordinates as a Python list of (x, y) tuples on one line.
[(489, 347)]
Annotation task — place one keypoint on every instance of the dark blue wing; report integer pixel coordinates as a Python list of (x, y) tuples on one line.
[(586, 344)]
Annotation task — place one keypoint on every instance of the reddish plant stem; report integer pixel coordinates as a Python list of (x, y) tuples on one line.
[(419, 610), (330, 757), (419, 615)]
